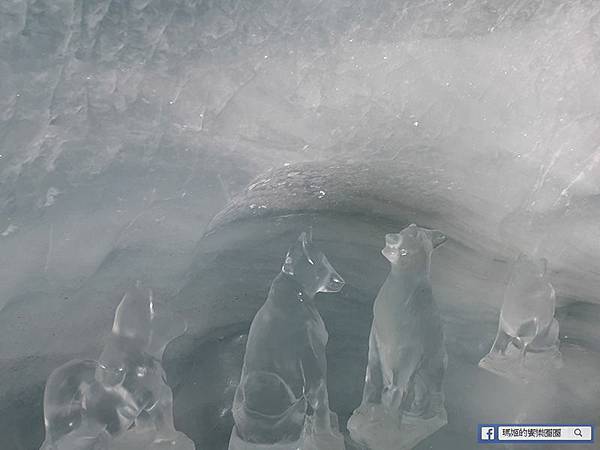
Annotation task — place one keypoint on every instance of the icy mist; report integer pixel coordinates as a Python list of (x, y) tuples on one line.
[(186, 143)]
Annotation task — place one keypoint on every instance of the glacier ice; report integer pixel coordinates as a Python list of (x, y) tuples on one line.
[(527, 344), (126, 126), (403, 397), (285, 369), (121, 400)]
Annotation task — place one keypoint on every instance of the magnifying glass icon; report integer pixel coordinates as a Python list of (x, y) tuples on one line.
[(577, 432)]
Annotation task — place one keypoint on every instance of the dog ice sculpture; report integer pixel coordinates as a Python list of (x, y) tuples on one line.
[(403, 400), (527, 343), (121, 401), (281, 402)]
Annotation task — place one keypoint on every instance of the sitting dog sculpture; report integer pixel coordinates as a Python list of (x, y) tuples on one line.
[(121, 400), (403, 400), (282, 401), (527, 342)]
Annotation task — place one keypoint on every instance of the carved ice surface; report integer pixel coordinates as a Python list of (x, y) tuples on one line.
[(135, 122), (282, 401), (527, 343), (121, 401), (403, 399)]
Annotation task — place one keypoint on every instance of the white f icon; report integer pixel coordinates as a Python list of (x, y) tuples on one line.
[(487, 433)]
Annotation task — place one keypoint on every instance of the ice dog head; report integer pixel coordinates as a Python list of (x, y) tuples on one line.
[(411, 248), (310, 267), (141, 330)]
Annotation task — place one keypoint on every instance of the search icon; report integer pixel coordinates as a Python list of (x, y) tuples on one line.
[(577, 432)]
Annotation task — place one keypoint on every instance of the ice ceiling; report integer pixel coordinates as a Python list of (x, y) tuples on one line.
[(126, 126)]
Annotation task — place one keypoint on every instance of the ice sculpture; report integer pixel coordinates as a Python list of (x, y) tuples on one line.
[(121, 401), (403, 400), (281, 402), (527, 342)]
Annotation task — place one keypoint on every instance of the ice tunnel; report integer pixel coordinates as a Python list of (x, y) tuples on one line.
[(186, 144)]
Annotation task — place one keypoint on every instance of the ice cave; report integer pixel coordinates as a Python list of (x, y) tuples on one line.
[(169, 169)]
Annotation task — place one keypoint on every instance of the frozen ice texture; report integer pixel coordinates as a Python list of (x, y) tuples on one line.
[(527, 343), (147, 116), (403, 398), (121, 401), (282, 401)]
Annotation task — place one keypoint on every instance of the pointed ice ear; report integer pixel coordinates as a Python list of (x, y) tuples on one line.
[(295, 253), (437, 237), (412, 229), (133, 316), (288, 264), (306, 242)]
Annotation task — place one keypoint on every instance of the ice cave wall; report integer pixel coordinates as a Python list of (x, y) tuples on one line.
[(125, 126)]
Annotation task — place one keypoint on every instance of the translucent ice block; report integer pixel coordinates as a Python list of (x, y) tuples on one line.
[(282, 402), (403, 400), (527, 344), (120, 401)]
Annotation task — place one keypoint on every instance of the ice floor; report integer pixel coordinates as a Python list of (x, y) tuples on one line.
[(187, 143)]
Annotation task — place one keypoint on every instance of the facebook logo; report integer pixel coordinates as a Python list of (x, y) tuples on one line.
[(487, 433)]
